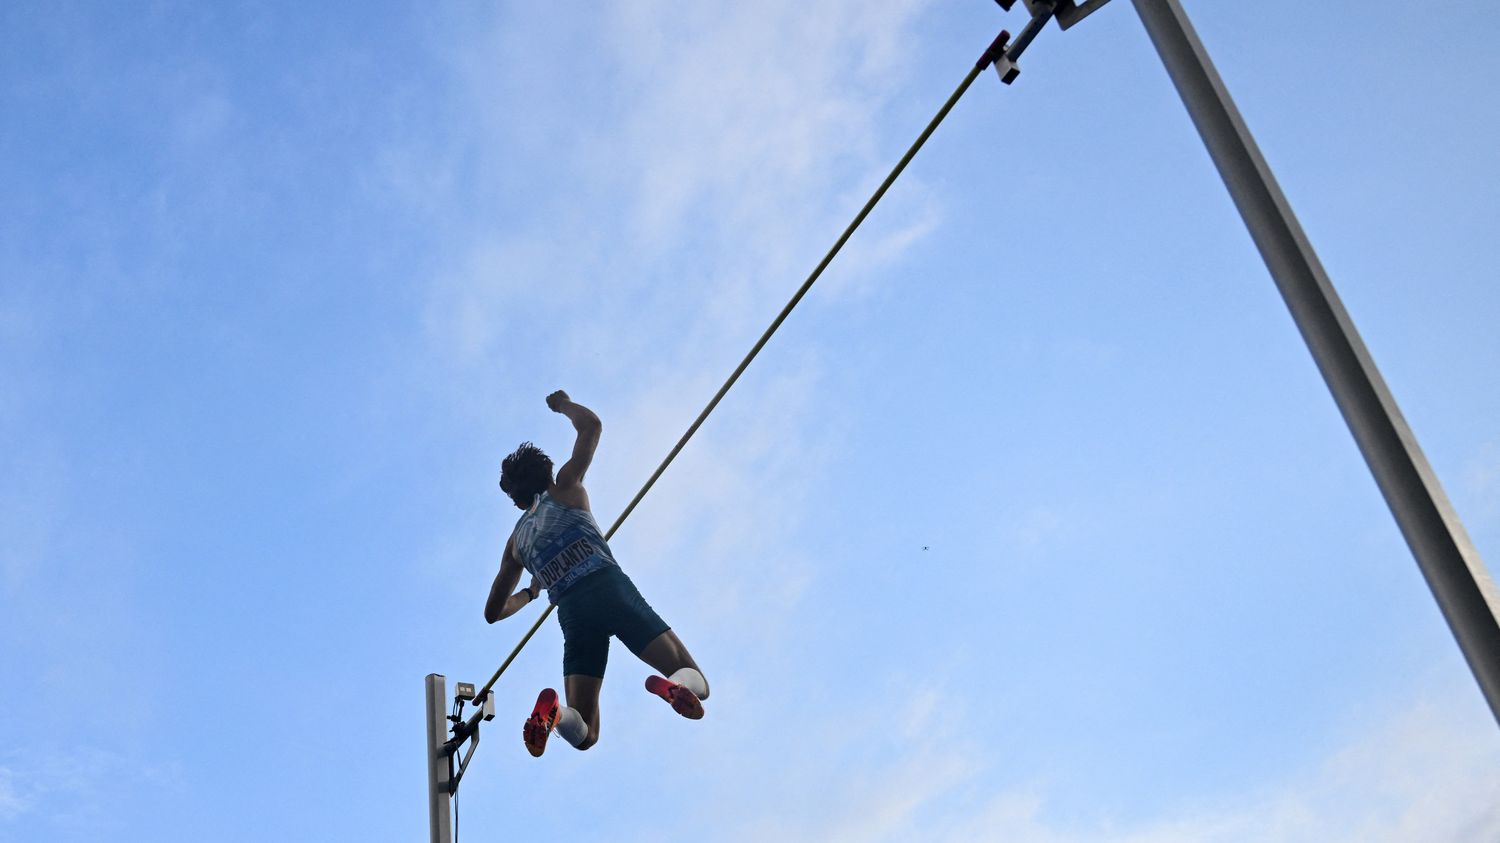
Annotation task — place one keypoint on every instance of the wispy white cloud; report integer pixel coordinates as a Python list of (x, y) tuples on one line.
[(83, 789), (32, 506), (1030, 529), (747, 168), (1481, 479), (14, 801), (32, 496), (748, 148), (1419, 776)]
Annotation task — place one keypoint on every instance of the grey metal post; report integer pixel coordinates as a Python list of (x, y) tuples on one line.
[(438, 786), (1465, 592)]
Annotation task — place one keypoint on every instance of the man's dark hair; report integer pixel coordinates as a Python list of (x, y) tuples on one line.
[(525, 474)]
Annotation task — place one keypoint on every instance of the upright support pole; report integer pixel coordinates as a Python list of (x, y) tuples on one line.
[(439, 788), (1465, 592)]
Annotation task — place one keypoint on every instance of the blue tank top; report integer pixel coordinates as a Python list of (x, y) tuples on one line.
[(559, 545)]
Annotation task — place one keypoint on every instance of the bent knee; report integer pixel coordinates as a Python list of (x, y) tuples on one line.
[(589, 741)]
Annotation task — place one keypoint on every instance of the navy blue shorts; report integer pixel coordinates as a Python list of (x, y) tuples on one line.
[(602, 604)]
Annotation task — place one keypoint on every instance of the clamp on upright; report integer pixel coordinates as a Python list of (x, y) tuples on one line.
[(1067, 13), (465, 730)]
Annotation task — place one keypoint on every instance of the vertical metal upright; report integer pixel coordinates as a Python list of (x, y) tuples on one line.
[(1464, 590), (439, 784)]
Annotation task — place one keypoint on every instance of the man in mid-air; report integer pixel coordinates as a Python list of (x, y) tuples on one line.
[(558, 543)]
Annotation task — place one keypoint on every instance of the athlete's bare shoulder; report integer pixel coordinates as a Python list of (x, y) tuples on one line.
[(573, 495)]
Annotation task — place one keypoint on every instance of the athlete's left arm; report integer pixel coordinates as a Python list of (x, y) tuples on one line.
[(501, 603)]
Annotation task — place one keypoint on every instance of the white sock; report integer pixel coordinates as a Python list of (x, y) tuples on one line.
[(571, 726), (691, 680)]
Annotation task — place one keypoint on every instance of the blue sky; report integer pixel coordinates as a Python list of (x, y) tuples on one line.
[(1035, 522)]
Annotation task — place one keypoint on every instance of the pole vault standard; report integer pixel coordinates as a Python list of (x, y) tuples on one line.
[(1465, 592), (439, 761), (444, 767)]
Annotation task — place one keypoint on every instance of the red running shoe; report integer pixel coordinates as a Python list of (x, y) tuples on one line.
[(539, 724), (683, 701)]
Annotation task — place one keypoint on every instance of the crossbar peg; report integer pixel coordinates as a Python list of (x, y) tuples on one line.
[(995, 55)]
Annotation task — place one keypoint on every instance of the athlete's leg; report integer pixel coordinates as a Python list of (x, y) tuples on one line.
[(668, 656), (583, 698), (542, 721), (585, 655), (641, 629), (684, 687)]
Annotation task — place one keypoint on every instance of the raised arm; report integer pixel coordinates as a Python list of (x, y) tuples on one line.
[(501, 603), (570, 476)]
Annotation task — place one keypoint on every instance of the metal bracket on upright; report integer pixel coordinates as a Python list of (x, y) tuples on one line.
[(1067, 13), (466, 730)]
